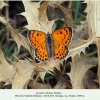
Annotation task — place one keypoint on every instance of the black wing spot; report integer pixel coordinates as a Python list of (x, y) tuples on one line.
[(57, 57), (37, 34), (31, 39), (57, 33), (60, 32), (40, 34), (46, 59), (58, 51), (68, 38), (66, 31), (42, 47), (58, 45), (64, 35), (40, 58), (30, 36), (34, 44), (38, 42), (65, 41)]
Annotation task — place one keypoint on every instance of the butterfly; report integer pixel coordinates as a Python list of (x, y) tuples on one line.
[(50, 45)]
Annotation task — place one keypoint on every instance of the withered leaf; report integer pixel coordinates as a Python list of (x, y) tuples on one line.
[(7, 71), (2, 4), (68, 18), (48, 68), (79, 66), (46, 25), (63, 83), (38, 85), (31, 13), (25, 69), (90, 79), (19, 39), (93, 20), (79, 44)]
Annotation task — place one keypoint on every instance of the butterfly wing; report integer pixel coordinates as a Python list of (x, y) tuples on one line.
[(61, 39), (38, 41)]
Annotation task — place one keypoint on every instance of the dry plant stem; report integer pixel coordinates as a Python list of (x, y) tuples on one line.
[(91, 54), (70, 4), (22, 55)]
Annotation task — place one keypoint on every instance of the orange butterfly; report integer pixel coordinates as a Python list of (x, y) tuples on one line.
[(54, 45)]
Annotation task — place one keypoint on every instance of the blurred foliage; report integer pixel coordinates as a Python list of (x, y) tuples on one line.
[(78, 13)]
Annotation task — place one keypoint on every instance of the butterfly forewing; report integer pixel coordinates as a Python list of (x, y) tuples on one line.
[(63, 35), (38, 41), (36, 38)]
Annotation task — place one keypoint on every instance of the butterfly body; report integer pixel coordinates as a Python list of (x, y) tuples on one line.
[(49, 42), (51, 45)]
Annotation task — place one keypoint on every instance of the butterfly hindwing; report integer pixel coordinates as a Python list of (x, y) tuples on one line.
[(61, 39), (60, 51), (42, 53), (38, 41)]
